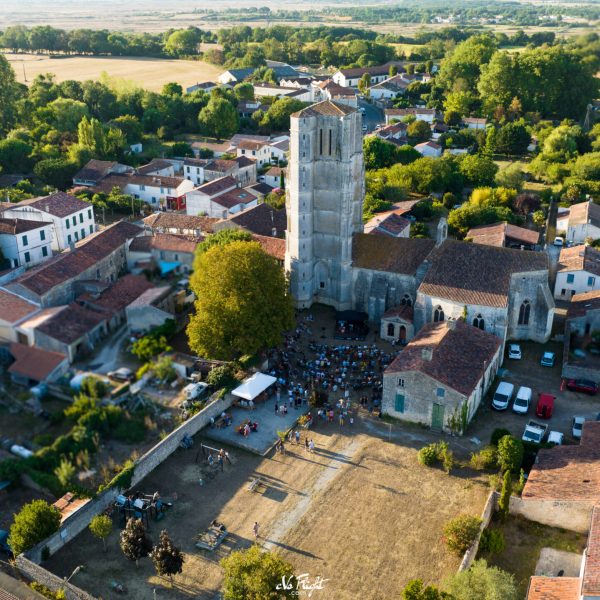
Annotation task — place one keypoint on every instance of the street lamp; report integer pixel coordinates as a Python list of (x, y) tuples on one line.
[(75, 571)]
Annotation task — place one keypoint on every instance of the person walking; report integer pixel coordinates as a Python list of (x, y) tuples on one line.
[(311, 446), (220, 459), (256, 530), (306, 444), (297, 434), (341, 419)]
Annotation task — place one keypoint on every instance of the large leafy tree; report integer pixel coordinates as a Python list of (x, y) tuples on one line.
[(481, 582), (134, 542), (512, 139), (378, 153), (32, 524), (167, 558), (478, 170), (254, 575), (219, 118), (9, 94), (243, 301), (15, 155), (417, 590), (100, 527)]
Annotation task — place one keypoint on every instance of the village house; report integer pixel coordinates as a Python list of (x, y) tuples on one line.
[(274, 176), (102, 257), (95, 170), (580, 222), (330, 90), (389, 89), (198, 201), (205, 86), (246, 108), (220, 167), (280, 70), (13, 311), (25, 243), (397, 325), (179, 224), (351, 77), (150, 309), (388, 223), (193, 169), (504, 235), (474, 123), (169, 253), (441, 376), (421, 114), (160, 167), (261, 220), (429, 149), (279, 147), (30, 365), (258, 151), (396, 133), (72, 219), (578, 271)]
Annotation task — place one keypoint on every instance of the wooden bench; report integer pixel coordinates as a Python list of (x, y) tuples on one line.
[(254, 484)]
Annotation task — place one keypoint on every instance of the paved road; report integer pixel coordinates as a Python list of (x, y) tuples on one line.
[(372, 116)]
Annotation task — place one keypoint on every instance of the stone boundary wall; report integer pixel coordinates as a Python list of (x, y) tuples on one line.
[(486, 516), (28, 563), (574, 516)]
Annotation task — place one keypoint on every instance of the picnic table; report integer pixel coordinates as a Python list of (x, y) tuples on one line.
[(254, 483), (212, 538)]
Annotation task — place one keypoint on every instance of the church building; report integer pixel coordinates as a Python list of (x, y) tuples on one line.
[(331, 261)]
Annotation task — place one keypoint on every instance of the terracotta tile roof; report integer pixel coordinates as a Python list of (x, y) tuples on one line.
[(151, 296), (397, 82), (387, 223), (169, 220), (458, 354), (217, 186), (360, 71), (58, 204), (121, 180), (432, 145), (389, 254), (13, 308), (220, 165), (251, 145), (174, 243), (119, 295), (33, 362), (591, 572), (324, 109), (581, 303), (261, 220), (71, 323), (496, 234), (195, 162), (579, 258), (568, 473), (474, 120), (14, 226), (336, 90), (584, 212), (475, 274), (234, 197), (275, 172), (244, 161), (403, 312), (404, 112), (272, 246), (156, 164), (68, 504), (94, 170), (261, 188), (71, 264), (554, 588)]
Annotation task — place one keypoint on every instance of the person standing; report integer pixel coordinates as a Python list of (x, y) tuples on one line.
[(297, 434), (311, 446), (256, 530), (220, 459), (306, 444)]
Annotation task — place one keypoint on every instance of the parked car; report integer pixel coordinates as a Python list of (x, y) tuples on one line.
[(545, 406), (522, 400), (4, 547), (584, 386), (514, 351), (122, 374), (577, 427), (534, 432), (559, 242), (548, 359), (193, 391), (556, 438), (502, 396)]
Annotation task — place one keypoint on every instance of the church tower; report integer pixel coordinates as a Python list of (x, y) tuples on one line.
[(324, 201)]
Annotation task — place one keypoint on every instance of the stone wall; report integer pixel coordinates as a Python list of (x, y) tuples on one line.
[(28, 563), (486, 517), (574, 516)]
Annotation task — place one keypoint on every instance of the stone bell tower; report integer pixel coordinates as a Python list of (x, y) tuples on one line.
[(324, 201)]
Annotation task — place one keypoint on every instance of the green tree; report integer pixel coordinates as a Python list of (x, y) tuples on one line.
[(510, 453), (392, 71), (255, 575), (416, 590), (220, 238), (149, 346), (94, 387), (15, 156), (460, 102), (364, 83), (67, 113), (378, 153), (32, 524), (244, 92), (512, 139), (511, 176), (65, 472), (478, 170), (167, 558), (243, 302), (130, 126), (134, 542), (481, 582), (461, 532), (100, 527), (183, 42), (452, 117), (171, 89), (587, 166), (56, 172), (504, 502), (219, 118), (277, 118), (419, 131), (9, 94)]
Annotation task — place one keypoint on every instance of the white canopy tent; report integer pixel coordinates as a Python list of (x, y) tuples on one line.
[(254, 386)]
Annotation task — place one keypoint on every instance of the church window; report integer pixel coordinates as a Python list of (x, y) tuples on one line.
[(438, 315), (322, 285), (330, 142), (320, 141), (406, 300), (391, 330), (524, 313), (479, 322)]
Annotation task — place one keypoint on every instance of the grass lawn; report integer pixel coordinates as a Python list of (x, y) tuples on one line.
[(408, 49), (524, 541)]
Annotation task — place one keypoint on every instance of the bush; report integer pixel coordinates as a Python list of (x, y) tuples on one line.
[(485, 459), (32, 524), (492, 541), (497, 435), (94, 387), (130, 431), (510, 453), (461, 532), (437, 453), (223, 376), (41, 589), (428, 455)]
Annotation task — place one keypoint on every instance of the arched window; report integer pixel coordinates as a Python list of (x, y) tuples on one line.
[(406, 300), (524, 313), (391, 330), (479, 322), (438, 314)]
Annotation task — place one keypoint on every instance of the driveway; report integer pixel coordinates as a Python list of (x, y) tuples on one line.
[(372, 116)]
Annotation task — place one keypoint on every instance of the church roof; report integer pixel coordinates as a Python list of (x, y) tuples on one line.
[(325, 109), (389, 254), (477, 274)]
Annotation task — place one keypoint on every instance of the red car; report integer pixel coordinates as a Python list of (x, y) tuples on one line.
[(545, 406), (582, 385)]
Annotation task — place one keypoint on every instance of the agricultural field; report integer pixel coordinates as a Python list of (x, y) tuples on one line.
[(149, 73)]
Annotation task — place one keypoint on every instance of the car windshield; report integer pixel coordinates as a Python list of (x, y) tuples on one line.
[(521, 402), (577, 425), (500, 398), (534, 436)]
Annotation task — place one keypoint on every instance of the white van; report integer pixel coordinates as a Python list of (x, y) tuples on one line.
[(503, 394), (193, 391), (522, 400)]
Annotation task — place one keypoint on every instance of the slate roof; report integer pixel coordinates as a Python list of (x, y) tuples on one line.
[(261, 219), (554, 588), (327, 108), (164, 241), (389, 254), (156, 164), (33, 362), (71, 323), (234, 197), (496, 234), (579, 258), (57, 204), (568, 473), (15, 226), (169, 220), (388, 224), (71, 264), (476, 274), (13, 308), (459, 353), (119, 295)]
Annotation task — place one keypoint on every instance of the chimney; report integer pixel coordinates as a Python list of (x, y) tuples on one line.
[(427, 353), (451, 324)]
